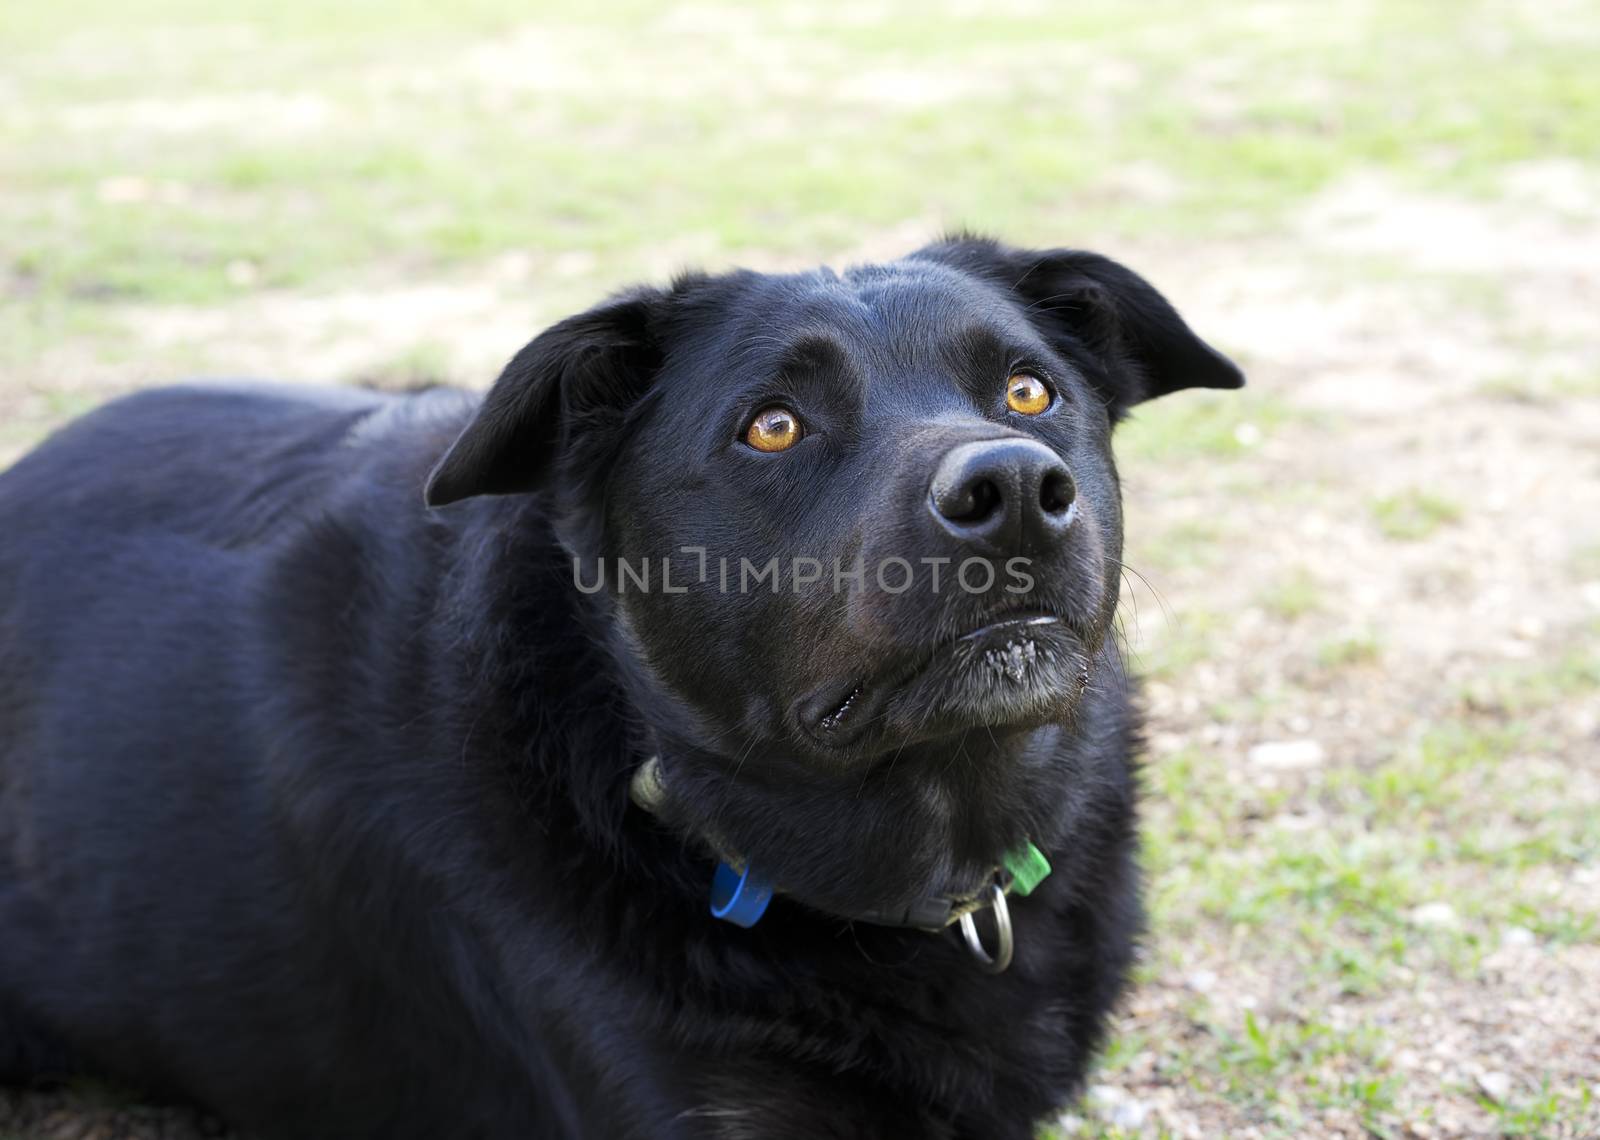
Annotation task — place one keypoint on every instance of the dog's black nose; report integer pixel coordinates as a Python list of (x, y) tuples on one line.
[(1006, 494)]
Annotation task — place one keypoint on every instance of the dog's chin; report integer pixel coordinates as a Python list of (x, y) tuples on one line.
[(1013, 674)]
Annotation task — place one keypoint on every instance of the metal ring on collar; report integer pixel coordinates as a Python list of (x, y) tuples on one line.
[(997, 962)]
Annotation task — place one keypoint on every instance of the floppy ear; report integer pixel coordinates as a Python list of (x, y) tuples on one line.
[(1139, 339), (570, 378)]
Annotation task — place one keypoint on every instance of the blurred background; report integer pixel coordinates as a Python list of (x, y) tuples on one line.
[(1368, 593)]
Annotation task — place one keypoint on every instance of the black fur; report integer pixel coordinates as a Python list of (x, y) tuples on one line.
[(314, 800)]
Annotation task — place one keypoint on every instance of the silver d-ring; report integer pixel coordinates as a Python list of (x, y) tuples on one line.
[(997, 962)]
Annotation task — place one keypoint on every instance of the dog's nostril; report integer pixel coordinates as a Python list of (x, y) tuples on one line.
[(1056, 492), (973, 502)]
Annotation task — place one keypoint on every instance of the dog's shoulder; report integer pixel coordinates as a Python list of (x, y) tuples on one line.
[(229, 463), (432, 413)]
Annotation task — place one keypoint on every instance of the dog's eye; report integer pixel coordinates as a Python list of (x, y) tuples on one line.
[(774, 429), (1026, 395)]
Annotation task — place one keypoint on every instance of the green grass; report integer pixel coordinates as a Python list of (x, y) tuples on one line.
[(1195, 544), (1518, 691), (1543, 388), (1294, 595), (425, 362), (1413, 514), (393, 134), (1585, 561), (1542, 1114), (1259, 1054), (1202, 425), (1350, 651), (1182, 641), (1472, 811)]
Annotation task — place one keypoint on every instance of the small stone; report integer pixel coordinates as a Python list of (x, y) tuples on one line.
[(1129, 1116), (1287, 754), (1166, 742), (1070, 1123), (1517, 936), (1117, 1108), (1201, 981), (1590, 592), (1103, 1096), (122, 189), (1435, 914), (1495, 1085), (512, 268), (1289, 821), (574, 263), (1247, 435), (241, 272)]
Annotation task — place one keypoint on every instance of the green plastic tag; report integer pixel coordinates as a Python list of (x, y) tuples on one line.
[(1028, 868)]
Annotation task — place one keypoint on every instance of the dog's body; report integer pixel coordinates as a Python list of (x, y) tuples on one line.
[(314, 802)]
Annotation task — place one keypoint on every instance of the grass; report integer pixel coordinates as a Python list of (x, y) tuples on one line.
[(1585, 561), (1295, 594), (1540, 1115), (1265, 1048), (1194, 544), (1339, 901), (425, 362), (1201, 426), (316, 153), (1349, 651), (1543, 388), (1412, 514), (1518, 691), (1183, 642)]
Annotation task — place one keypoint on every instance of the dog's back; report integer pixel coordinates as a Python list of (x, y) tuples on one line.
[(138, 688)]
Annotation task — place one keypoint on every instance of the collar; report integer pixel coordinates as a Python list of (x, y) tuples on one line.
[(740, 893)]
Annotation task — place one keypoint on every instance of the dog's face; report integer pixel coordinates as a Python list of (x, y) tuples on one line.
[(848, 524)]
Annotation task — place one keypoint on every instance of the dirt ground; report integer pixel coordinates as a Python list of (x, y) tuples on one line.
[(1401, 565)]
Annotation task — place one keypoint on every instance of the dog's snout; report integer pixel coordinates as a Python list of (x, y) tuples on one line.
[(1002, 493)]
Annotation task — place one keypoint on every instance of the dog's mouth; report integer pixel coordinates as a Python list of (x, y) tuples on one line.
[(1016, 670)]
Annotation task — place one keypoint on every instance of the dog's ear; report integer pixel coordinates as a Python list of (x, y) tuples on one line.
[(1080, 299), (570, 378)]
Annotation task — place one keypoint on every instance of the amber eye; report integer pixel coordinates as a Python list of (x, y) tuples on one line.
[(774, 429), (1026, 394)]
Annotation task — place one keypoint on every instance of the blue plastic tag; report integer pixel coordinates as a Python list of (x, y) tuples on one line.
[(739, 897)]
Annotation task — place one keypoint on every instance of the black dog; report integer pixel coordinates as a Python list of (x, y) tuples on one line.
[(315, 799)]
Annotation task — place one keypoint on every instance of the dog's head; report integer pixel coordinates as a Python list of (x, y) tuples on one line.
[(857, 537)]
